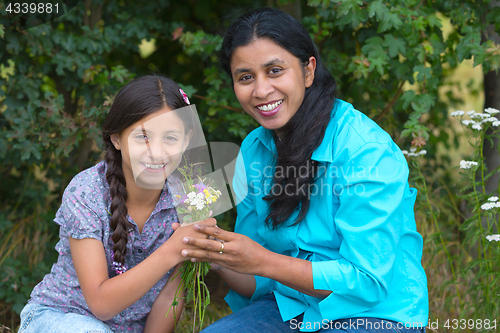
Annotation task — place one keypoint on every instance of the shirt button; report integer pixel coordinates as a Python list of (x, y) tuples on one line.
[(139, 251)]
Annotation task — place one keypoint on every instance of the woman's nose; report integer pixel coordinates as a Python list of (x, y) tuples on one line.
[(262, 88)]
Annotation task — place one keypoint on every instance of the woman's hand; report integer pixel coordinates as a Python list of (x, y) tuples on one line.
[(230, 250), (176, 241)]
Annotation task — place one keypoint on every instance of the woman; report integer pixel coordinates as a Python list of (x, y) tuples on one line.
[(325, 240)]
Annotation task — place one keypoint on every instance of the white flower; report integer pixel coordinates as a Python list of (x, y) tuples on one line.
[(200, 196), (496, 123), (457, 113), (493, 238), (413, 149), (489, 120), (467, 164), (480, 115), (191, 196), (422, 152), (488, 206), (470, 113), (491, 111), (477, 126), (405, 152), (493, 199), (200, 205), (468, 122)]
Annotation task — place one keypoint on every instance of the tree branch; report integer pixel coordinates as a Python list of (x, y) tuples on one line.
[(391, 104)]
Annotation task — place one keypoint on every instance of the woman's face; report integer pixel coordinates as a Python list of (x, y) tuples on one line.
[(270, 82), (152, 148)]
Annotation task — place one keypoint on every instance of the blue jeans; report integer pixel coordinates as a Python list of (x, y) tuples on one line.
[(263, 316), (37, 318)]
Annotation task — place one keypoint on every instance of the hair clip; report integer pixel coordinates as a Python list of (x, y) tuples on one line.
[(184, 96)]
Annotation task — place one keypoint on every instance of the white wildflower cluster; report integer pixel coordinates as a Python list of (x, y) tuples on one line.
[(413, 152), (495, 238), (480, 118), (491, 111), (467, 164), (457, 113), (197, 200), (493, 203), (207, 196)]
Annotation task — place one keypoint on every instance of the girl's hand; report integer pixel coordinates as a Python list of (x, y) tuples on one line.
[(176, 240), (240, 253)]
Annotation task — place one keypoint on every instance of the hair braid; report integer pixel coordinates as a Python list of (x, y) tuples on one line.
[(119, 222)]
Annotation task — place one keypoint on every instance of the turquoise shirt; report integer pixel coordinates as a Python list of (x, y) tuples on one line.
[(359, 233)]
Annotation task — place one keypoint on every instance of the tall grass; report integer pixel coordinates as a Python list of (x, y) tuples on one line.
[(460, 262)]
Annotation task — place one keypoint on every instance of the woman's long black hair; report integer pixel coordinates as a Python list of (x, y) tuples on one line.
[(137, 99), (305, 130)]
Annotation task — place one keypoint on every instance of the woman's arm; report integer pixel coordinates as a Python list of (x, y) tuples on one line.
[(243, 284), (243, 255), (158, 321), (107, 297)]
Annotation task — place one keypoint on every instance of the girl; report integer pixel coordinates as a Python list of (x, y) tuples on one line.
[(117, 246), (327, 240)]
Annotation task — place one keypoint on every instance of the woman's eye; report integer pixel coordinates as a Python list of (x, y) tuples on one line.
[(245, 78), (275, 70)]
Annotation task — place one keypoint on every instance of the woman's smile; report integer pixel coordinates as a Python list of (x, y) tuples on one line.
[(270, 109)]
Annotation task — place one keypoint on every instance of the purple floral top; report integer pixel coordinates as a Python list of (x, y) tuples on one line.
[(84, 214)]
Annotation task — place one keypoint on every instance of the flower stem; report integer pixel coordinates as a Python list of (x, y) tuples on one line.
[(434, 219)]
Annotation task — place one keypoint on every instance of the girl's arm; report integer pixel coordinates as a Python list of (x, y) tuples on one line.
[(107, 297), (157, 322)]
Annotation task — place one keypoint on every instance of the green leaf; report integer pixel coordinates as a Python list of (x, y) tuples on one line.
[(390, 21), (314, 3), (378, 63), (2, 31), (407, 98), (377, 8), (434, 21), (394, 45)]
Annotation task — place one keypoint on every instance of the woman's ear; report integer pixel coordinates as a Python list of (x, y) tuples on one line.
[(309, 71), (115, 140)]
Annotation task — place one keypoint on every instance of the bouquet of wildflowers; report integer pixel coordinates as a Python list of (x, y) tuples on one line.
[(195, 205)]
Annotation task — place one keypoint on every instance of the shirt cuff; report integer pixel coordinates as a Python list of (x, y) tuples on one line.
[(325, 277)]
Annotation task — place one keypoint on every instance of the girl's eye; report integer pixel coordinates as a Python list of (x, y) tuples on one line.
[(171, 138), (141, 137)]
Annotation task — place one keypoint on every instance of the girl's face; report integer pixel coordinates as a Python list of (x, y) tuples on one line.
[(270, 82), (152, 148)]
